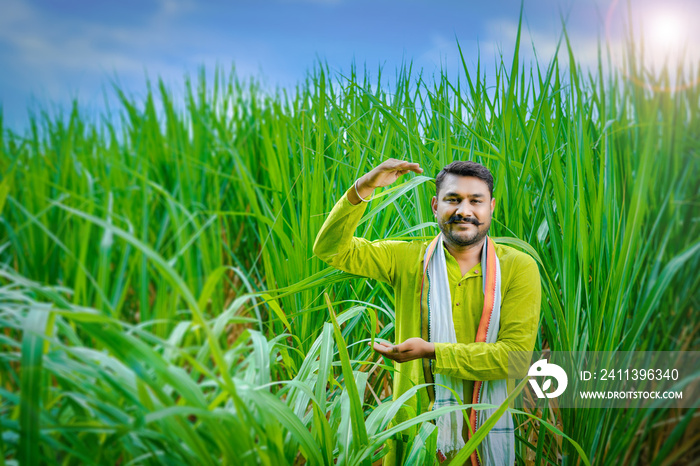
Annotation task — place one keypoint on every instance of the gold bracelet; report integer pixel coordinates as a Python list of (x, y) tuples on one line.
[(358, 193)]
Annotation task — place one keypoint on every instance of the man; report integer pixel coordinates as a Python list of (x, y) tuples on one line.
[(455, 327)]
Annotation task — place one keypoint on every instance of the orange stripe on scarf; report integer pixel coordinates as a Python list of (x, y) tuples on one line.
[(489, 298)]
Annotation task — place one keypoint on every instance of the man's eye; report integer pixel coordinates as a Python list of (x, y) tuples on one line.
[(476, 201)]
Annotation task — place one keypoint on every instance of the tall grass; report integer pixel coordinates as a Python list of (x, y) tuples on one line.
[(190, 324)]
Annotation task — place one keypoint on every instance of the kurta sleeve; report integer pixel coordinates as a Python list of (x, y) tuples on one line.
[(337, 246), (520, 312)]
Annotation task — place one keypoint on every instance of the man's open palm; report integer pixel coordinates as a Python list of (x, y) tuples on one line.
[(413, 348), (387, 172)]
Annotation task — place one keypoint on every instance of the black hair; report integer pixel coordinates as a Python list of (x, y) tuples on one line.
[(468, 168)]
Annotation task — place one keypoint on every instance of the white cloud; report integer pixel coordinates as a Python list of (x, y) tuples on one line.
[(57, 61), (60, 56), (169, 8), (539, 45), (39, 46), (498, 42)]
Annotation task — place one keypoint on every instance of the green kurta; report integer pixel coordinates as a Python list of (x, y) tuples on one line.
[(399, 263)]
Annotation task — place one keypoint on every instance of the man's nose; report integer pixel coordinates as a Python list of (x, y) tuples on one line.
[(465, 209)]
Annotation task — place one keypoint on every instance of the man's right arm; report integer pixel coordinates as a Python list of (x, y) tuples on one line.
[(336, 244)]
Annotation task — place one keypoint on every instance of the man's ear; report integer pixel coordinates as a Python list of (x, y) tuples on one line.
[(433, 204), (493, 204)]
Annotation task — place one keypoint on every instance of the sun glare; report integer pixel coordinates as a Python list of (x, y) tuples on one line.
[(664, 38), (666, 31)]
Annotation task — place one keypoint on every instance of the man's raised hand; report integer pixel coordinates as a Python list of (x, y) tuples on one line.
[(387, 172), (384, 174)]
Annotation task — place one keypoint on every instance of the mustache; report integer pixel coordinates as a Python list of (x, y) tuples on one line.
[(459, 218)]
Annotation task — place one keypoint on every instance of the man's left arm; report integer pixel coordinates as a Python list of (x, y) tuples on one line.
[(520, 313)]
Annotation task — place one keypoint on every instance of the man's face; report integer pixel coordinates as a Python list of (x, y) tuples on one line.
[(463, 209)]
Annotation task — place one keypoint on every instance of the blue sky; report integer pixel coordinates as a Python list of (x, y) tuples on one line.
[(54, 51)]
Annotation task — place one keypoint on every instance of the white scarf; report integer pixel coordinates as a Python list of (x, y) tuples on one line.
[(498, 447)]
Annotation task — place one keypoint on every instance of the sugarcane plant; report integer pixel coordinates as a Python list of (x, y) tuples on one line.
[(161, 302)]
